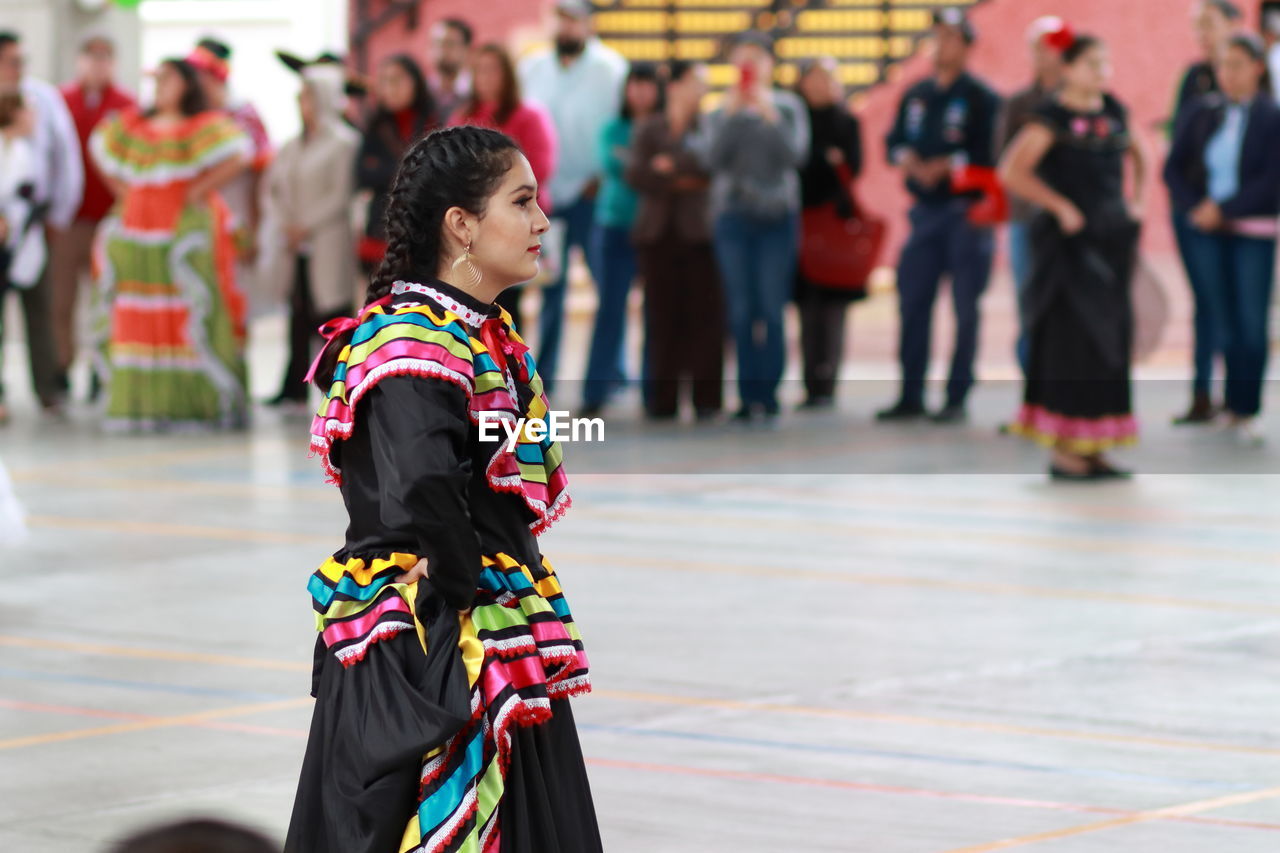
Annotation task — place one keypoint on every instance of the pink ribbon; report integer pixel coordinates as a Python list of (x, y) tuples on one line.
[(337, 326)]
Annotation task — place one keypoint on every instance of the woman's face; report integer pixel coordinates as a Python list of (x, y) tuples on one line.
[(820, 87), (395, 87), (1091, 72), (487, 78), (758, 58), (1212, 28), (507, 239), (170, 89), (689, 90), (1239, 74), (642, 96), (307, 106)]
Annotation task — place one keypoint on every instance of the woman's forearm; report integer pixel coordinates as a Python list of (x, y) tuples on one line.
[(217, 177)]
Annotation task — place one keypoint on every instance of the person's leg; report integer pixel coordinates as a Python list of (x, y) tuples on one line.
[(615, 259), (809, 310), (970, 253), (578, 218), (703, 329), (662, 312), (302, 330), (1020, 266), (778, 246), (68, 260), (733, 249), (1205, 323), (37, 309), (919, 270), (1208, 260), (1248, 313)]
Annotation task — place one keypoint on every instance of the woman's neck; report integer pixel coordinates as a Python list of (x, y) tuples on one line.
[(1082, 100)]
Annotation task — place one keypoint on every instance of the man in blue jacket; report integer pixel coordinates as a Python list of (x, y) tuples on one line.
[(945, 121)]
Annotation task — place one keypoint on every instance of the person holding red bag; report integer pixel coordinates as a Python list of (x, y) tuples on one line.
[(835, 158)]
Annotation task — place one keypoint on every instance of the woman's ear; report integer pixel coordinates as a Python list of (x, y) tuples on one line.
[(458, 227)]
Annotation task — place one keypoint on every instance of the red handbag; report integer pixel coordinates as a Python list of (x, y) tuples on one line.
[(839, 244)]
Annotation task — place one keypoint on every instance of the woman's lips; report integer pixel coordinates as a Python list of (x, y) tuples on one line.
[(535, 250)]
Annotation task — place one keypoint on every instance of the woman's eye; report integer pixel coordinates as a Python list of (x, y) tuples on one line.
[(524, 201)]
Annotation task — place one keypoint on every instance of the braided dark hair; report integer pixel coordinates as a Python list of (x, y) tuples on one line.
[(451, 167)]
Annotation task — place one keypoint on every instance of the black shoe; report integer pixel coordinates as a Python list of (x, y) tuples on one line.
[(901, 411), (815, 402), (1056, 473), (707, 415), (744, 414), (1105, 471), (952, 413), (1202, 411)]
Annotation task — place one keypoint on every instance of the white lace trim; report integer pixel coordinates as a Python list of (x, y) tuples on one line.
[(470, 316)]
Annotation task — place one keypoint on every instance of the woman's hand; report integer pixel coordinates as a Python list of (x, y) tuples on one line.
[(663, 164), (1206, 215), (1070, 219), (835, 156), (1137, 209), (417, 573)]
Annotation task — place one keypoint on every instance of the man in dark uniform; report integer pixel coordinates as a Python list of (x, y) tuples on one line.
[(1214, 21), (944, 121)]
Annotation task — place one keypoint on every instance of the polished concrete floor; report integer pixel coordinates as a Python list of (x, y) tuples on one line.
[(829, 636)]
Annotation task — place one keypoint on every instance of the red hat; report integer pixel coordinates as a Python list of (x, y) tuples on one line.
[(205, 58)]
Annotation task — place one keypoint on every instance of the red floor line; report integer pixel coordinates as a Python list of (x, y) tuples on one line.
[(684, 770)]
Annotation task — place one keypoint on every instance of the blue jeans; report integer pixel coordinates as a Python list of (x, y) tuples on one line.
[(1240, 272), (1205, 322), (578, 218), (615, 261), (942, 242), (757, 261), (1020, 262)]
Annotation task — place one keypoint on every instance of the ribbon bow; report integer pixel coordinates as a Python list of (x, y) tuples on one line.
[(493, 332), (338, 326)]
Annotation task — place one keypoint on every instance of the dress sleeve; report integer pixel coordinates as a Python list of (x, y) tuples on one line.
[(419, 429), (219, 139)]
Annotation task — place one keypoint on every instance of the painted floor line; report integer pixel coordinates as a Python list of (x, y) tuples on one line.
[(736, 705), (271, 537), (1169, 812)]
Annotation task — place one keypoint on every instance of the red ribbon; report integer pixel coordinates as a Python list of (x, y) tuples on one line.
[(493, 332), (337, 326)]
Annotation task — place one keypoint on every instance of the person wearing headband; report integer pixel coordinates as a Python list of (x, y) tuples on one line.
[(212, 59), (1044, 38), (945, 121), (1223, 174)]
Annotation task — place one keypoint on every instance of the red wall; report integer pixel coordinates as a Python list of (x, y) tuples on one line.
[(1151, 43), (493, 20)]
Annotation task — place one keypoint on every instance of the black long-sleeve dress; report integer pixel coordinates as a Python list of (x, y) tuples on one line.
[(442, 716), (1078, 309)]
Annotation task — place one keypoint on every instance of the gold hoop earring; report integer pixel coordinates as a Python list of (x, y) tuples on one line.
[(465, 269)]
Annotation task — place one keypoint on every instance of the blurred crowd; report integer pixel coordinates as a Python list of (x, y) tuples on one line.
[(720, 208)]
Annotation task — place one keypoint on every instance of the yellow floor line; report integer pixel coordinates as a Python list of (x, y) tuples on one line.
[(687, 701), (156, 723), (1183, 810), (246, 535)]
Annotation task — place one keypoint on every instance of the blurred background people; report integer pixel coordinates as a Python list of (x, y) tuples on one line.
[(496, 101), (404, 110), (22, 246), (1223, 173), (1069, 161), (945, 120), (201, 835), (1271, 38), (1213, 21), (835, 157), (174, 354), (756, 140), (579, 81), (1043, 37), (684, 329), (309, 189), (615, 259), (57, 189), (91, 96), (451, 59), (243, 194)]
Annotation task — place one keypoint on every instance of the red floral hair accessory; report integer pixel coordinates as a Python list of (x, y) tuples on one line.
[(1060, 39)]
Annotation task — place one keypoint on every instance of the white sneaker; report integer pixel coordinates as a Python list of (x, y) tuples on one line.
[(1249, 432)]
